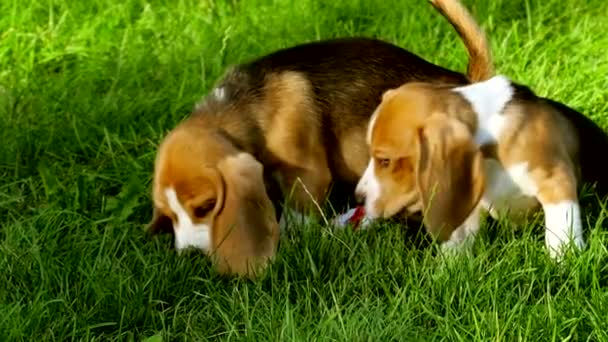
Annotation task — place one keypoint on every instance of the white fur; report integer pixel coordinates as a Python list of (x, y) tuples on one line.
[(219, 93), (464, 235), (510, 191), (369, 188), (563, 225), (368, 185), (187, 233), (488, 99)]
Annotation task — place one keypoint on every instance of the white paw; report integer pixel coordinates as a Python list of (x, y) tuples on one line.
[(558, 248), (563, 228), (453, 248)]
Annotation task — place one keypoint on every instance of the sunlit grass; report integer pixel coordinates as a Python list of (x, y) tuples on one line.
[(87, 90)]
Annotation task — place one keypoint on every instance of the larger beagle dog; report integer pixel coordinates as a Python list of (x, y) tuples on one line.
[(455, 151), (286, 125)]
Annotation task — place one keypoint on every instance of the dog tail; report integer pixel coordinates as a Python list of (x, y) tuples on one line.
[(481, 65)]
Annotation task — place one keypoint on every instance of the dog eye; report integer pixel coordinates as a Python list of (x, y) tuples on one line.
[(204, 209), (383, 162)]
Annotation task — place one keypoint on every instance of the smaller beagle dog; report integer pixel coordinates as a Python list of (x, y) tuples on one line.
[(455, 151)]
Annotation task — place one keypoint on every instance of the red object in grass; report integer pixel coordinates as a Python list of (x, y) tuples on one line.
[(353, 217), (357, 217)]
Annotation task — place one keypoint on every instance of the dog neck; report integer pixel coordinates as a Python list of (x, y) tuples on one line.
[(225, 121)]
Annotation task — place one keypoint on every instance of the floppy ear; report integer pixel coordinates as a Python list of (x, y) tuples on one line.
[(160, 223), (450, 173), (246, 231)]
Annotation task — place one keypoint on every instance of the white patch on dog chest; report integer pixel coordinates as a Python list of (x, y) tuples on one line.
[(187, 233), (219, 93), (509, 191)]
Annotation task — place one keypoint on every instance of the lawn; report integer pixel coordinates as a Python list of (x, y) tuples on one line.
[(88, 89)]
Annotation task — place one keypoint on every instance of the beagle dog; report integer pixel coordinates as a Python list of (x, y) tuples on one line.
[(454, 152), (284, 127)]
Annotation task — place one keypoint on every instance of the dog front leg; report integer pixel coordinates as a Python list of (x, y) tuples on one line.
[(462, 238)]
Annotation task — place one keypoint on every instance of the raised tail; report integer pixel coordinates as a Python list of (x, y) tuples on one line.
[(481, 65)]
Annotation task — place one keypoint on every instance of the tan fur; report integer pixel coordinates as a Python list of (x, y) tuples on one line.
[(175, 168), (352, 146), (548, 143), (246, 232), (450, 174), (292, 136)]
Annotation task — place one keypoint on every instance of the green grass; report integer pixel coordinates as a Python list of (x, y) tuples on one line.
[(87, 90)]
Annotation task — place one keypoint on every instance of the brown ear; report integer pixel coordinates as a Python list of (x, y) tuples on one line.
[(450, 173), (209, 188), (160, 223), (246, 231)]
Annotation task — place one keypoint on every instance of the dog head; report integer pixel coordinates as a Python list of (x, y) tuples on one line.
[(422, 158), (211, 196)]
